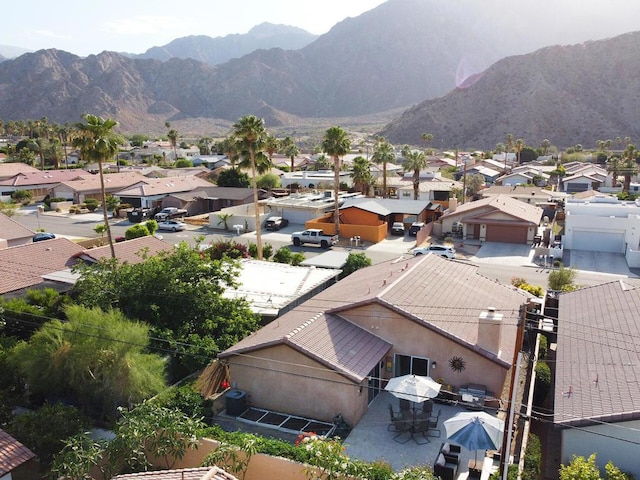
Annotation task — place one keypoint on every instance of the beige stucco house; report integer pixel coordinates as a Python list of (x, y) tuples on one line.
[(335, 352)]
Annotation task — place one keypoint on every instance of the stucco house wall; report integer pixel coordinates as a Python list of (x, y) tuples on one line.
[(263, 370)]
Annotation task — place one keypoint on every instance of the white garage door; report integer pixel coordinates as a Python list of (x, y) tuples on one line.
[(598, 241)]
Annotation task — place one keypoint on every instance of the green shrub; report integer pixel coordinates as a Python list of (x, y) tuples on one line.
[(91, 204), (543, 383), (183, 163), (544, 347), (137, 231), (532, 458), (152, 226), (22, 196), (536, 290)]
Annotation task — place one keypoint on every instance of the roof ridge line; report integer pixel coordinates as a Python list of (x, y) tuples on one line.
[(303, 325)]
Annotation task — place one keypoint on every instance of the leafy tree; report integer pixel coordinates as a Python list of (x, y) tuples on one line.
[(183, 163), (355, 261), (152, 226), (137, 139), (474, 184), (22, 196), (383, 154), (233, 178), (100, 229), (251, 137), (415, 161), (98, 141), (180, 294), (267, 250), (78, 457), (26, 155), (268, 181), (562, 280), (43, 430), (96, 357), (228, 249), (580, 468), (8, 209), (285, 255), (137, 231), (336, 144)]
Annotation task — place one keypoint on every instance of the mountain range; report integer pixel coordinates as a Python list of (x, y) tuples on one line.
[(424, 55)]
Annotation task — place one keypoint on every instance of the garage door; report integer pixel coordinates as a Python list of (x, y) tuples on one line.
[(577, 187), (598, 241), (506, 233)]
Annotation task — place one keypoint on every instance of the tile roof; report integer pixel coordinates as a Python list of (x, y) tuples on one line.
[(165, 186), (130, 251), (443, 295), (25, 179), (12, 453), (598, 355), (91, 183), (23, 266), (199, 473), (10, 169), (386, 206), (503, 203), (521, 191), (426, 185), (12, 230), (229, 193)]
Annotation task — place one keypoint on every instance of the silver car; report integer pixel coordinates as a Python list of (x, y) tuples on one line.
[(172, 225)]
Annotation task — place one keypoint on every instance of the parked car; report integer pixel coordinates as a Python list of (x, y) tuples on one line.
[(169, 213), (397, 228), (38, 237), (415, 228), (314, 235), (275, 223), (443, 250), (172, 225)]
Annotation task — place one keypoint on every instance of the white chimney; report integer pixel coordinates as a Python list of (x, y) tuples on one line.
[(453, 204), (490, 330)]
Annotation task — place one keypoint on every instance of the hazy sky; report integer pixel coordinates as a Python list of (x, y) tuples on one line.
[(133, 26)]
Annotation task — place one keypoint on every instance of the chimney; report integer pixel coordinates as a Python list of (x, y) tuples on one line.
[(453, 204), (490, 330)]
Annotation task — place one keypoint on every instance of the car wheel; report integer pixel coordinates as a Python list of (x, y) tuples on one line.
[(174, 229), (296, 242), (324, 244), (417, 254)]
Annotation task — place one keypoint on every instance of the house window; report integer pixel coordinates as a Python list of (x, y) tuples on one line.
[(406, 194), (408, 364)]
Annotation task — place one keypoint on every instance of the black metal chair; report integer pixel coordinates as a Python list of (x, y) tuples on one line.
[(398, 424), (434, 431)]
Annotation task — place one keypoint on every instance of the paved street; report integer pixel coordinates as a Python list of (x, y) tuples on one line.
[(497, 261)]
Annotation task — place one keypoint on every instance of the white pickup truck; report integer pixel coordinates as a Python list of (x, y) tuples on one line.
[(314, 235)]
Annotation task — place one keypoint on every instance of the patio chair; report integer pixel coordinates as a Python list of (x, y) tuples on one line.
[(451, 452), (434, 431), (405, 404), (399, 425), (427, 406), (445, 469)]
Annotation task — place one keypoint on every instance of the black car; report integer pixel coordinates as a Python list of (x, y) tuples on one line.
[(275, 223), (38, 237), (415, 228)]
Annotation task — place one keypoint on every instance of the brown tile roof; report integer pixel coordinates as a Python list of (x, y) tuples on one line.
[(165, 186), (23, 266), (130, 251), (10, 169), (12, 230), (443, 295), (43, 178), (504, 203), (598, 355), (199, 473), (12, 453)]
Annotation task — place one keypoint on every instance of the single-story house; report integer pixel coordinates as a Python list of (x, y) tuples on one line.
[(582, 181), (498, 218), (89, 186), (597, 380), (151, 193), (314, 179), (335, 352), (210, 161), (212, 199), (201, 172), (299, 163), (489, 174), (300, 208), (603, 224), (38, 183), (17, 462), (197, 473), (8, 170), (129, 251), (433, 187), (35, 265), (13, 233)]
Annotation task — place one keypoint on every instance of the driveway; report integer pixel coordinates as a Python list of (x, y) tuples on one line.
[(602, 262), (504, 253)]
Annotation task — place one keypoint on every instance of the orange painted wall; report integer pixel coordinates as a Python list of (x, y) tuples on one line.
[(370, 229)]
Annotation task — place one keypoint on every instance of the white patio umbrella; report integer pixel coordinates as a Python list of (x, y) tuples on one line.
[(414, 388), (475, 431)]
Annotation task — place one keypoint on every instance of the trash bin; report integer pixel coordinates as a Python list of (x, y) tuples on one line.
[(236, 402)]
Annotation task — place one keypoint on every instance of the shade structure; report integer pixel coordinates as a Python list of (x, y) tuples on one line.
[(414, 388), (475, 430)]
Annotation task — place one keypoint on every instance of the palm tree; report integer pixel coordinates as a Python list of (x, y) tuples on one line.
[(336, 143), (415, 160), (271, 146), (291, 150), (383, 153), (545, 146), (613, 167), (427, 138), (629, 166), (173, 138), (97, 139), (519, 146), (361, 175), (250, 136)]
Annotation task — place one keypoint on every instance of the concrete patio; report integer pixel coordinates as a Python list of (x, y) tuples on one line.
[(371, 440)]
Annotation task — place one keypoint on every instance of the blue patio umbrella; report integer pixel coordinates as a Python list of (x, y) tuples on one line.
[(475, 431)]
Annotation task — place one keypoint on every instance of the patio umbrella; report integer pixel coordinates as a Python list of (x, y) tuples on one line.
[(414, 388), (475, 431)]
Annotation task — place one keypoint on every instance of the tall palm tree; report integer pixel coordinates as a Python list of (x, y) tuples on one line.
[(291, 150), (271, 146), (415, 160), (383, 153), (361, 175), (336, 143), (519, 146), (100, 142), (427, 138), (251, 136), (173, 139), (629, 166)]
